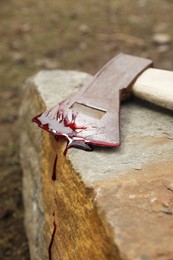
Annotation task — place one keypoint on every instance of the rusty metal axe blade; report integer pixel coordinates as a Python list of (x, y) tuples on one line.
[(91, 116)]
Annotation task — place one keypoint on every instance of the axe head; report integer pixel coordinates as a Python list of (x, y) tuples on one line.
[(91, 116)]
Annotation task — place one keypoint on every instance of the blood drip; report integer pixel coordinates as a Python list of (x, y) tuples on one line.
[(52, 239), (54, 169)]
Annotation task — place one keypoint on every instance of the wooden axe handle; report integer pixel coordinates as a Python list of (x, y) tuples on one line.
[(156, 86)]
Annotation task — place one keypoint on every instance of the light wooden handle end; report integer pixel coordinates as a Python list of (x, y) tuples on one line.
[(155, 86)]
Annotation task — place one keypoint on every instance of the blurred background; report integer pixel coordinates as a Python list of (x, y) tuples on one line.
[(69, 34)]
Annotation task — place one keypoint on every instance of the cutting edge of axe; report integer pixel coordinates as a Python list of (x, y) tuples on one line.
[(91, 116)]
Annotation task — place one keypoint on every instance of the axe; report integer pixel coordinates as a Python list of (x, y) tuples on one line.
[(91, 116)]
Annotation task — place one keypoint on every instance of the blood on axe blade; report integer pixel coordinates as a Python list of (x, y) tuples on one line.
[(91, 116)]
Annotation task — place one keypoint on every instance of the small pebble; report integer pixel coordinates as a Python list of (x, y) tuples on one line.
[(18, 56), (83, 45), (152, 200), (26, 27), (137, 167), (161, 38), (163, 48), (131, 196), (83, 28)]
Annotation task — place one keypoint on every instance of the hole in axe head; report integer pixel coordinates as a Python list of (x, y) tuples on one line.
[(87, 110)]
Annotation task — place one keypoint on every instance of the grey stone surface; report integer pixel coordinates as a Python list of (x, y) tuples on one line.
[(54, 86), (138, 120)]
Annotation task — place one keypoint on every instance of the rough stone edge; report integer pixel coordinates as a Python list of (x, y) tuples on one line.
[(39, 250), (34, 209)]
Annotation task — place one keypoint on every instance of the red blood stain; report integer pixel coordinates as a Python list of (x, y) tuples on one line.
[(58, 124), (52, 239), (54, 169)]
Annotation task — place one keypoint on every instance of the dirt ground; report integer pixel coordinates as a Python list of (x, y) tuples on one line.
[(69, 34)]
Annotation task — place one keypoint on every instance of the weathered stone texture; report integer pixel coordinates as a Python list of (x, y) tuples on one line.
[(114, 203)]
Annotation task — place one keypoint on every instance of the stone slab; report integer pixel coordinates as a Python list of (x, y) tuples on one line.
[(118, 201)]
